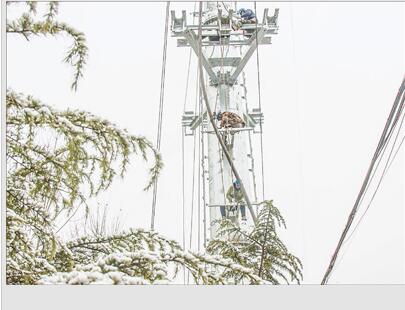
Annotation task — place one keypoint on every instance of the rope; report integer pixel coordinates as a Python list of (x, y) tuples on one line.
[(203, 171), (301, 196), (182, 156), (216, 100), (226, 9), (183, 198), (221, 155), (199, 192), (193, 180), (202, 85), (250, 140), (221, 45), (187, 81), (192, 201), (162, 93), (385, 137), (194, 160), (260, 102)]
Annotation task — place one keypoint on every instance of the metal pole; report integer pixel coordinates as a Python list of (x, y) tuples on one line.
[(224, 89), (220, 63)]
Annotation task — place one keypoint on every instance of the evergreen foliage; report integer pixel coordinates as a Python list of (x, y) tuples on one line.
[(144, 257), (258, 248), (27, 25), (55, 161)]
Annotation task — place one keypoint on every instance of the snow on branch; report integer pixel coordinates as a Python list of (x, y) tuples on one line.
[(55, 161), (145, 257), (259, 248), (26, 26)]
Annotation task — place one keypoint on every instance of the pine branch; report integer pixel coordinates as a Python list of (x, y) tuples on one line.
[(76, 55), (53, 7), (145, 257), (260, 248), (32, 6), (43, 181)]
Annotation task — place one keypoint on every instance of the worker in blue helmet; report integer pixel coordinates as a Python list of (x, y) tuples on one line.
[(247, 15), (235, 197)]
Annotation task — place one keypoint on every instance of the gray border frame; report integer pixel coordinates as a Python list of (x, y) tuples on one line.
[(179, 296)]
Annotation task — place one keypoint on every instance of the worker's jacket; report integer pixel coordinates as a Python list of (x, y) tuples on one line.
[(231, 120), (234, 195), (248, 14)]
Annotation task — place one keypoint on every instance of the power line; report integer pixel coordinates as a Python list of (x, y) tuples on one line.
[(386, 167), (193, 173), (260, 103), (250, 140), (203, 171), (183, 199), (192, 201), (385, 136), (199, 191), (161, 100)]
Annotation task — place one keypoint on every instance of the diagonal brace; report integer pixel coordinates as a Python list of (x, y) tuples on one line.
[(258, 36), (192, 39)]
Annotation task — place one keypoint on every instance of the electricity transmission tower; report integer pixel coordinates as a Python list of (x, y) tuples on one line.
[(225, 53)]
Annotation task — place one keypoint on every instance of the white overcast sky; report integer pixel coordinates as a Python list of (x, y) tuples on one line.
[(328, 82)]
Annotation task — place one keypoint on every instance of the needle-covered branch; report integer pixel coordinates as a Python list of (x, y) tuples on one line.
[(27, 26), (259, 248), (145, 257), (55, 162)]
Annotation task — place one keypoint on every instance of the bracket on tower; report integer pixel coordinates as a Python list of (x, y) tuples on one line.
[(271, 20), (178, 24), (192, 121), (253, 118)]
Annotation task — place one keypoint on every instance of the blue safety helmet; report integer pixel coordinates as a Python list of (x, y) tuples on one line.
[(236, 184), (241, 11)]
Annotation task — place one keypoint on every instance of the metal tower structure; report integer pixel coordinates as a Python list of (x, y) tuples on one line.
[(229, 51)]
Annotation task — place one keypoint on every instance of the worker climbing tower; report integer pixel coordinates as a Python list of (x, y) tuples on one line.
[(227, 45)]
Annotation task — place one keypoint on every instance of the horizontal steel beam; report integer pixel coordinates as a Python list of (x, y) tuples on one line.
[(216, 206), (184, 43), (229, 130), (226, 62)]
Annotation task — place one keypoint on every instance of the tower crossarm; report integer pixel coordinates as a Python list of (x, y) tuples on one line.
[(221, 30)]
